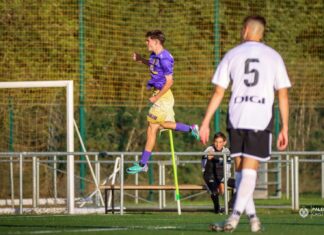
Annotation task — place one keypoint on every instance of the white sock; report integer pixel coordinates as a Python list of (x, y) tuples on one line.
[(250, 207), (245, 192)]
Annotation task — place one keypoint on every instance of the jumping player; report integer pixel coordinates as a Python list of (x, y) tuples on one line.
[(161, 114), (256, 71)]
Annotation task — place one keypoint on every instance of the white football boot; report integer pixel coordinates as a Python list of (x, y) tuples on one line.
[(255, 225)]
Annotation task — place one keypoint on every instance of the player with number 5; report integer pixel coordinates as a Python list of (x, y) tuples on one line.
[(256, 71)]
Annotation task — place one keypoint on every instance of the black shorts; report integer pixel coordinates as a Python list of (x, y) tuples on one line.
[(250, 143)]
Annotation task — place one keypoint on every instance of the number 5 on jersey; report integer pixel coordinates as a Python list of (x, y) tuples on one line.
[(253, 71)]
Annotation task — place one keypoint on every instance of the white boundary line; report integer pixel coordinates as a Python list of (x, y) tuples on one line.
[(86, 230)]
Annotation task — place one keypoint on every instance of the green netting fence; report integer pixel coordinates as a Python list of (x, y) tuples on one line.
[(39, 40), (52, 40)]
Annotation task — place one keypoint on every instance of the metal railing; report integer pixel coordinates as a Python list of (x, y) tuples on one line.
[(292, 160)]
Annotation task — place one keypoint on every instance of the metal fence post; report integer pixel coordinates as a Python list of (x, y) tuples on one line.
[(279, 182), (163, 183), (287, 176), (12, 188), (296, 182), (136, 182), (34, 181), (37, 181), (97, 174), (55, 178), (21, 183), (292, 184), (160, 183), (122, 184)]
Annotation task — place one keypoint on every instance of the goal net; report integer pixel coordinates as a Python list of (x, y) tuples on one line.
[(37, 117)]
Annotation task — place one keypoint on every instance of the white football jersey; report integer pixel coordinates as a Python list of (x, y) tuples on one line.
[(256, 70)]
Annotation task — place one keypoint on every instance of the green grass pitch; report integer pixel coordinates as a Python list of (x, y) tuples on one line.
[(275, 222)]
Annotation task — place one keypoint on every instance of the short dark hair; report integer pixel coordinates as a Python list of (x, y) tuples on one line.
[(258, 18), (220, 135), (156, 34)]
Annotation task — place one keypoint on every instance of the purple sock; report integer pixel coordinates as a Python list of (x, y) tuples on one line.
[(182, 127), (145, 157)]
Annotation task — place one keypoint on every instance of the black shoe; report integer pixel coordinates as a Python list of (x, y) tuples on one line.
[(216, 210)]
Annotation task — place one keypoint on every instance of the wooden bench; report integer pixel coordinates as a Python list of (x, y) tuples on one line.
[(144, 187)]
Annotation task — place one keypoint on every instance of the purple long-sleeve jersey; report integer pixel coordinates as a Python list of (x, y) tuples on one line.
[(160, 66)]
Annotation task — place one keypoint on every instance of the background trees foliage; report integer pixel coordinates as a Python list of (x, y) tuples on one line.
[(39, 40)]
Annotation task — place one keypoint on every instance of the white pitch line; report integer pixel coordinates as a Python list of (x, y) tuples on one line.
[(69, 231), (86, 230)]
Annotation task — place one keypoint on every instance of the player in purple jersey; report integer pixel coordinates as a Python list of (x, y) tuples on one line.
[(161, 114), (160, 65)]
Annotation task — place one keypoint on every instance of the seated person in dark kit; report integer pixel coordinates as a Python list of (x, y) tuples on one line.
[(213, 170)]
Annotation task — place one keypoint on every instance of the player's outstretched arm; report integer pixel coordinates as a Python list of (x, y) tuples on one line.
[(137, 57), (213, 105), (282, 141)]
